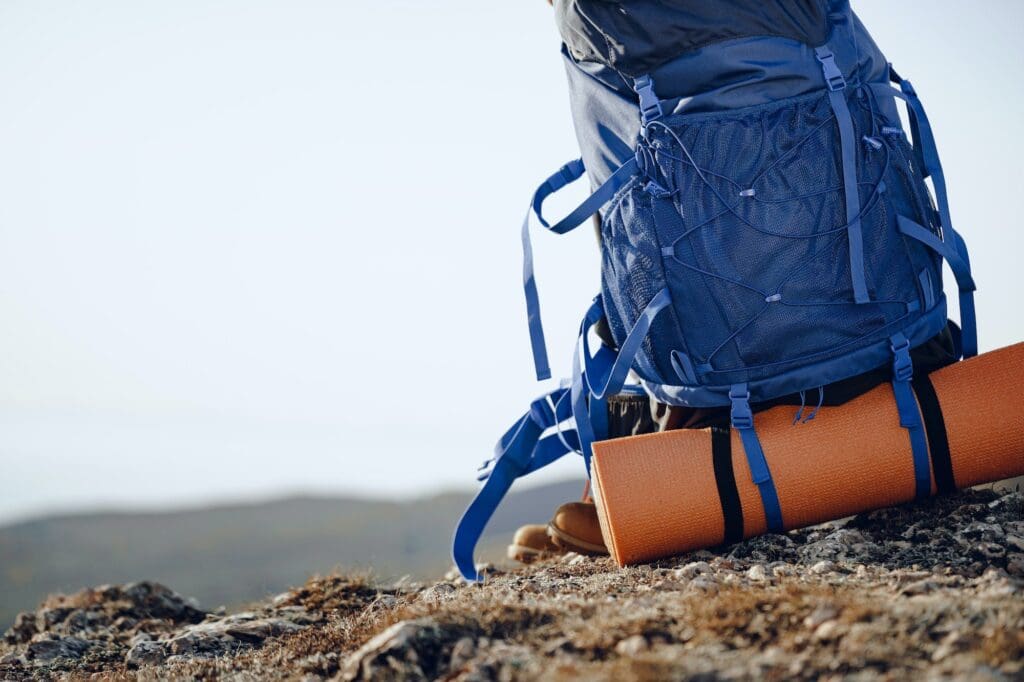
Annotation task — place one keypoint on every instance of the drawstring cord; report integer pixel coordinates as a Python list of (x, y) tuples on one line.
[(803, 403), (821, 400), (800, 412)]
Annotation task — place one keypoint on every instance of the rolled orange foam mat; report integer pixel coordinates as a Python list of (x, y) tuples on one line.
[(666, 493)]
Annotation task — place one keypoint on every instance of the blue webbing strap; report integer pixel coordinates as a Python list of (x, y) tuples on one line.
[(743, 422), (608, 381), (924, 145), (955, 254), (910, 416), (581, 411), (568, 173), (591, 425), (847, 138), (520, 451), (606, 369), (591, 204)]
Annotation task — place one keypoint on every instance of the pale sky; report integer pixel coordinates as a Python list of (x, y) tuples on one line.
[(255, 248)]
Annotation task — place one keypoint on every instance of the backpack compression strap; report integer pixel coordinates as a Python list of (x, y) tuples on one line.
[(836, 84), (598, 376), (742, 419), (520, 451), (910, 415), (951, 246), (568, 173)]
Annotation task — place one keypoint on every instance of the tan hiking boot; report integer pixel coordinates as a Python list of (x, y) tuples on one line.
[(532, 543), (575, 528)]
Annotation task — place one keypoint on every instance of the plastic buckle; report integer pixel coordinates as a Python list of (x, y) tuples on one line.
[(572, 170), (833, 75), (656, 190), (650, 105), (902, 365), (742, 417)]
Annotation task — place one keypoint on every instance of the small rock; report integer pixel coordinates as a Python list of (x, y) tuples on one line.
[(255, 631), (462, 652), (827, 631), (631, 646), (23, 629), (990, 550), (1015, 565), (396, 653), (218, 637), (1015, 542), (140, 637), (669, 585), (821, 614), (703, 584), (316, 663), (145, 652), (948, 646), (11, 658), (693, 569), (43, 651), (571, 558), (757, 573), (920, 587), (437, 592), (823, 567)]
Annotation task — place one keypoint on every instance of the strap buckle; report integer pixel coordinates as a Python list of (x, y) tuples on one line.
[(833, 75), (742, 416), (902, 365), (650, 105)]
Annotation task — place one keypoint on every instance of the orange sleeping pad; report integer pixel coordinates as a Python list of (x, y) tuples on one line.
[(666, 493)]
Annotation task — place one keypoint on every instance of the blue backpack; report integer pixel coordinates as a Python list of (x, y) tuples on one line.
[(765, 226)]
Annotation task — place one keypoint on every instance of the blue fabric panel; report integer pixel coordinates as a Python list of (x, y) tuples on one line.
[(605, 115)]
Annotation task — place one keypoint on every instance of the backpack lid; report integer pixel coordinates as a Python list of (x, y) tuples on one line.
[(637, 37)]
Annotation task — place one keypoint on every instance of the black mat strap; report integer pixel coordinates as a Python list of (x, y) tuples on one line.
[(935, 428), (725, 479)]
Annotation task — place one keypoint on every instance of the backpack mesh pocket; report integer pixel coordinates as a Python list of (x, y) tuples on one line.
[(750, 236)]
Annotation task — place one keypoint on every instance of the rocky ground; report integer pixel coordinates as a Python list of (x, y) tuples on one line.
[(924, 591)]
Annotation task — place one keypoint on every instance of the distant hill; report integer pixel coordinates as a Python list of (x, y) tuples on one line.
[(233, 554)]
